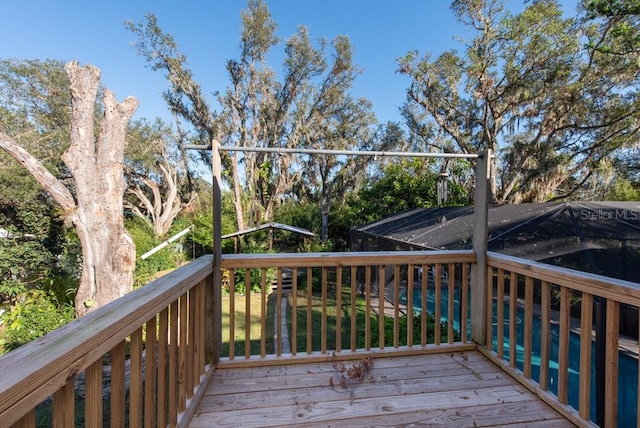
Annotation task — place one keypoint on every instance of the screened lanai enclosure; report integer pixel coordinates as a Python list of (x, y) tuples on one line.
[(595, 237)]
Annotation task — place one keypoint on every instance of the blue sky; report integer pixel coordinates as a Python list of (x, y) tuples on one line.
[(207, 31)]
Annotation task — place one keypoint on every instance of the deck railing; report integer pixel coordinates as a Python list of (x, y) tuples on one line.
[(146, 357), (541, 328), (136, 362), (332, 297)]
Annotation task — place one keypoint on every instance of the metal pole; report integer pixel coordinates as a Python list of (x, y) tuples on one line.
[(284, 150)]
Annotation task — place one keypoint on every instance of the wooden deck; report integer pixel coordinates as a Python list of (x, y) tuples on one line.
[(459, 389)]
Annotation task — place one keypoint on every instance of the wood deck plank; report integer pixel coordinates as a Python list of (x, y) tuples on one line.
[(460, 389)]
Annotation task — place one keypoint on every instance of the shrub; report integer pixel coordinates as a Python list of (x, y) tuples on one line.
[(145, 240), (37, 315)]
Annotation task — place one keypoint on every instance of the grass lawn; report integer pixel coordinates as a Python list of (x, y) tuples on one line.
[(310, 326), (240, 324), (330, 325)]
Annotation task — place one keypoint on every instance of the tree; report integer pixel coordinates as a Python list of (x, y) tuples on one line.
[(310, 107), (94, 202), (184, 96), (526, 88), (259, 110), (152, 172), (406, 184), (620, 27), (185, 99)]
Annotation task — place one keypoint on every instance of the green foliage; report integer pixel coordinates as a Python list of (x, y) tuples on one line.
[(255, 278), (10, 289), (294, 213), (40, 313), (403, 185), (145, 240), (38, 247), (624, 190), (525, 87), (255, 275)]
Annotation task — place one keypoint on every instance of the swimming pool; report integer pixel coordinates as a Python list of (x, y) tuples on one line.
[(627, 365)]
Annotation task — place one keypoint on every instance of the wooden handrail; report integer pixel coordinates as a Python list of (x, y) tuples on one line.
[(617, 289), (345, 259)]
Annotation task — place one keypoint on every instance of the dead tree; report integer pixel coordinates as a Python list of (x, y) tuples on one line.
[(95, 205)]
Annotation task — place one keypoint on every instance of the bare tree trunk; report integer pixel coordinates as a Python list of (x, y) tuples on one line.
[(108, 252), (107, 249)]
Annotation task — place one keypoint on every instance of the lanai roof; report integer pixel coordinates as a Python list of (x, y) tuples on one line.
[(532, 231)]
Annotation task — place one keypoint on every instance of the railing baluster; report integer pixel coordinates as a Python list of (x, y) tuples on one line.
[(438, 303), (150, 374), (183, 325), (173, 364), (294, 310), (464, 302), (513, 320), (396, 306), (409, 296), (611, 370), (163, 332), (117, 386), (450, 302), (338, 309), (354, 292), (489, 305), (93, 395), (499, 313), (263, 312), (424, 277), (232, 312), (381, 304), (64, 405), (563, 353), (202, 337), (586, 327), (323, 333), (528, 325), (29, 420), (190, 363), (279, 313), (545, 338), (247, 315), (309, 309), (367, 318), (135, 379)]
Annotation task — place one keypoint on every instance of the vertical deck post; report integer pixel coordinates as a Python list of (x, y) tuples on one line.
[(214, 293), (479, 271)]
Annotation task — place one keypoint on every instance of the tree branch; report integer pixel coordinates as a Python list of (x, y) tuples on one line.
[(48, 181)]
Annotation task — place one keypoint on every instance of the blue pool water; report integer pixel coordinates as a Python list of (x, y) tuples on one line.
[(627, 365)]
